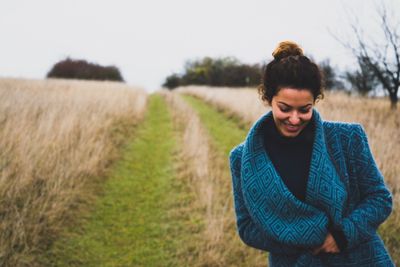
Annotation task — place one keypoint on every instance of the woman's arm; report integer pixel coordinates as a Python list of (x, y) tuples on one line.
[(376, 201), (249, 232)]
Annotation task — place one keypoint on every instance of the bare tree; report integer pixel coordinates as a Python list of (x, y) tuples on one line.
[(363, 79), (381, 59)]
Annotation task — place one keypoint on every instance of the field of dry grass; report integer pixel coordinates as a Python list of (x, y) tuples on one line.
[(241, 103), (56, 138), (381, 124)]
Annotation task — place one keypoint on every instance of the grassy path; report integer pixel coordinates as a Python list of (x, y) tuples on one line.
[(136, 222), (226, 133)]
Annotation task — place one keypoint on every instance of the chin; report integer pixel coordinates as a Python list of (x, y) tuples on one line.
[(285, 130), (291, 134), (287, 133)]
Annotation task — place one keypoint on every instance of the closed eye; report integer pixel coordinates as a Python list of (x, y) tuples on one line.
[(304, 110), (286, 108)]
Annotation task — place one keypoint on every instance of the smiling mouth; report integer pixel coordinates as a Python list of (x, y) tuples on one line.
[(292, 128)]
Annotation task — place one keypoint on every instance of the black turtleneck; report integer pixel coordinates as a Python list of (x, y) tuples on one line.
[(291, 156)]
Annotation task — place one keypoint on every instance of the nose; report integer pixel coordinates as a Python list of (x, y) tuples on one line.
[(294, 118)]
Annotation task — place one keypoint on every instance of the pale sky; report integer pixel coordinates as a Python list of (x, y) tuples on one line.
[(151, 39)]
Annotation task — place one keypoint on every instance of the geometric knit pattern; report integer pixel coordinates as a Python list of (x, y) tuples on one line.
[(344, 188)]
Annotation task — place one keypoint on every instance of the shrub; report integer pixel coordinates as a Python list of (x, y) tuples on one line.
[(81, 69)]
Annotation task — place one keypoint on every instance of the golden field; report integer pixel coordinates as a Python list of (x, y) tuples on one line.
[(56, 137)]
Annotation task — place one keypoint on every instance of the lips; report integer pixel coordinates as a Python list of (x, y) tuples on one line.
[(291, 128)]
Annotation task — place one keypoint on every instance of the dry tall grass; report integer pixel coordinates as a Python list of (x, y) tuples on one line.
[(56, 137), (217, 243), (242, 103), (381, 124)]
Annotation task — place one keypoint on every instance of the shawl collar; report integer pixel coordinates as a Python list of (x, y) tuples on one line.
[(268, 199)]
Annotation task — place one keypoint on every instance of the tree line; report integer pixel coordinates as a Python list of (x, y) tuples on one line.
[(230, 72), (227, 71)]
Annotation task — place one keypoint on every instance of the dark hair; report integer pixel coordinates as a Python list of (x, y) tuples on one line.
[(290, 68)]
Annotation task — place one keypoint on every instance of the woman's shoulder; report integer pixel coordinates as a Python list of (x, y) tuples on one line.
[(236, 152), (235, 157), (348, 129), (346, 133), (341, 126)]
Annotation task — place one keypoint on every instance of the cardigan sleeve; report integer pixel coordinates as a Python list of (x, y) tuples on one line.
[(375, 199), (248, 231)]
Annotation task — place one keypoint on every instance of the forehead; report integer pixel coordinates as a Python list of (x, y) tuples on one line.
[(294, 97)]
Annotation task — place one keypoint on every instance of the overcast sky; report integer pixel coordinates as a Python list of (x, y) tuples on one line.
[(150, 39)]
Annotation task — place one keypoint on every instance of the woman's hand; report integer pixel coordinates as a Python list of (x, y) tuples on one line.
[(329, 246)]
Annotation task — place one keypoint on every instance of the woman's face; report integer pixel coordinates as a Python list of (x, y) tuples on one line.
[(292, 110)]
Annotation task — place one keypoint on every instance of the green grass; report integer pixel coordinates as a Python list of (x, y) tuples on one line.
[(136, 221), (225, 132)]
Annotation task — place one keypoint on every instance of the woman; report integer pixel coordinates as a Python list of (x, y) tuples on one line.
[(307, 190)]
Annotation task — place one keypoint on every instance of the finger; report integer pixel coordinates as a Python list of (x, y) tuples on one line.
[(336, 249), (326, 245), (329, 243), (332, 249), (317, 250)]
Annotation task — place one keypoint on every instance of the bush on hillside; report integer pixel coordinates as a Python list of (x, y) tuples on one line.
[(81, 69)]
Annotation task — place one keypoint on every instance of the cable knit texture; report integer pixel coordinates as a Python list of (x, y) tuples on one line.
[(345, 190)]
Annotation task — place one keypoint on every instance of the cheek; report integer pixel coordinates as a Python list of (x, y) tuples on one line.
[(306, 117), (279, 115)]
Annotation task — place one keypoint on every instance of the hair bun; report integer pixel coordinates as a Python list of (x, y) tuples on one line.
[(287, 48)]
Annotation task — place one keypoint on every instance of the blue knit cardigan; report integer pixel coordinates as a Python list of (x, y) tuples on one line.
[(344, 188)]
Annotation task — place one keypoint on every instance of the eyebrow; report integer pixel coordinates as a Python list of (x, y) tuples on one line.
[(291, 106)]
